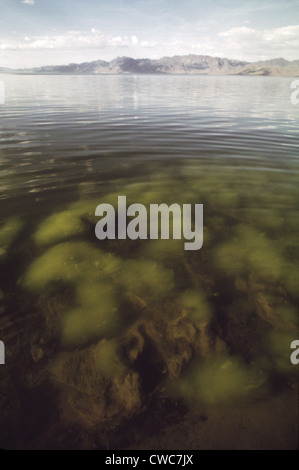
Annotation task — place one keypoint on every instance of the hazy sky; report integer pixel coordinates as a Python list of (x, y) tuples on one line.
[(40, 32)]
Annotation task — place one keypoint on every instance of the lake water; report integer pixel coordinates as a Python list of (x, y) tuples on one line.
[(140, 344)]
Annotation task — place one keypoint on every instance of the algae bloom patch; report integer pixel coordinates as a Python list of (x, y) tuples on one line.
[(224, 379)]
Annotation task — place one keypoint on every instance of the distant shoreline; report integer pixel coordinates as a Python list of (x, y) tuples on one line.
[(177, 65), (69, 74)]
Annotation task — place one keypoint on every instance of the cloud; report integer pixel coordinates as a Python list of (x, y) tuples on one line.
[(72, 40), (243, 43), (262, 44), (28, 2)]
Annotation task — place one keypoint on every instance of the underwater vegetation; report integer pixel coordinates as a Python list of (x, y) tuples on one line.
[(211, 327), (9, 231), (195, 305), (66, 262), (95, 317), (99, 275), (250, 251), (100, 281), (146, 278), (219, 380), (108, 359), (58, 227)]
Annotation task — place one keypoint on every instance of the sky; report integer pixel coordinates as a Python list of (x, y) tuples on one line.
[(55, 32)]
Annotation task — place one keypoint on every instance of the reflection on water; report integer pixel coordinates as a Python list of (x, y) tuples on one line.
[(139, 338)]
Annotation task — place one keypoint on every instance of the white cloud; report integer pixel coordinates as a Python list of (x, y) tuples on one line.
[(243, 43), (134, 40), (71, 40), (148, 43), (28, 2), (252, 44)]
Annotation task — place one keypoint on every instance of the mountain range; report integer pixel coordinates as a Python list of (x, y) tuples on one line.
[(187, 64)]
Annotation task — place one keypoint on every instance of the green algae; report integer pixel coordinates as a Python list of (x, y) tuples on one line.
[(291, 246), (65, 262), (59, 227), (9, 231), (219, 380), (292, 220), (95, 318), (85, 208), (148, 193), (161, 190), (100, 281), (71, 222), (108, 359), (287, 314), (147, 279), (71, 262), (290, 280), (91, 273), (99, 277), (250, 251), (195, 305), (269, 220), (163, 250), (224, 199)]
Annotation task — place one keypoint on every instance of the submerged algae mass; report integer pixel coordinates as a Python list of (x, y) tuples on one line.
[(89, 270), (71, 222), (290, 280), (108, 359), (252, 252), (267, 219), (146, 278), (9, 231), (65, 262), (196, 306), (164, 250), (58, 227), (287, 313), (219, 380), (95, 317), (78, 261), (149, 193), (100, 281)]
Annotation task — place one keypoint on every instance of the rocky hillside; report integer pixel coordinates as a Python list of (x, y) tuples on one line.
[(189, 64)]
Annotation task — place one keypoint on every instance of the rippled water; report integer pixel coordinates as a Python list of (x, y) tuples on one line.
[(67, 129), (127, 332)]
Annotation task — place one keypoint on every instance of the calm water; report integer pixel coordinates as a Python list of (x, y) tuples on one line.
[(156, 329), (57, 132)]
